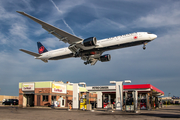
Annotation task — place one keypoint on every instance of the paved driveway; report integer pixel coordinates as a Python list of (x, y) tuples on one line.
[(9, 113)]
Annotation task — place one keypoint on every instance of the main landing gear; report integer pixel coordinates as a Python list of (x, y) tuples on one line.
[(87, 62)]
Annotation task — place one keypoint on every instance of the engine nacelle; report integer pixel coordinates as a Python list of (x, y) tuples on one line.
[(90, 41), (105, 58)]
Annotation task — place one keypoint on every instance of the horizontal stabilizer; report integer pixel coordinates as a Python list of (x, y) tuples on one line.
[(46, 61), (30, 53)]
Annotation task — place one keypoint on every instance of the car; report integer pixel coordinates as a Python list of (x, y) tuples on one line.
[(177, 102), (10, 102)]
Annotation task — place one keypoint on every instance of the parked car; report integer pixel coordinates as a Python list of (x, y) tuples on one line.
[(177, 102), (10, 102)]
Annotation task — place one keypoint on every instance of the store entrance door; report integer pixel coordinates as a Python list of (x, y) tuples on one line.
[(62, 102), (38, 100), (30, 100)]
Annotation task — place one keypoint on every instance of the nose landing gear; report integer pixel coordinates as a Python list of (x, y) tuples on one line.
[(144, 45)]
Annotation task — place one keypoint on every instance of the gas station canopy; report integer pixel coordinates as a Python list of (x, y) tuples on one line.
[(145, 87)]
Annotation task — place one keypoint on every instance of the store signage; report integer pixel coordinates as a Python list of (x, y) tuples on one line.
[(28, 87), (58, 88), (100, 88)]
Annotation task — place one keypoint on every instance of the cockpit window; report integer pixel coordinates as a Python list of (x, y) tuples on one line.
[(149, 33)]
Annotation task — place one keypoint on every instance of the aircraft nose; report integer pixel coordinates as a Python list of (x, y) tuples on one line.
[(153, 36)]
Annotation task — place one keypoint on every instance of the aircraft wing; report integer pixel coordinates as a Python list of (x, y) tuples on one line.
[(30, 53), (62, 35)]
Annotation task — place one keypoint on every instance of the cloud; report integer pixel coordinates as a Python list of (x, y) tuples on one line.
[(18, 30), (15, 34), (4, 15), (105, 24), (67, 6), (166, 15), (3, 39), (63, 18), (13, 27), (56, 6), (7, 14), (53, 42)]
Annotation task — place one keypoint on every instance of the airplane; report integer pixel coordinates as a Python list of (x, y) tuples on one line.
[(90, 50)]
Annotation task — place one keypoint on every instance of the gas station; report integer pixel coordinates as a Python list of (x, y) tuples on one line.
[(127, 97), (117, 96)]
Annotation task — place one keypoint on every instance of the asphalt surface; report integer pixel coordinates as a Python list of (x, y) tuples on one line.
[(15, 113)]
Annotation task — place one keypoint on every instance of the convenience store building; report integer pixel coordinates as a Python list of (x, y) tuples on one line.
[(45, 93)]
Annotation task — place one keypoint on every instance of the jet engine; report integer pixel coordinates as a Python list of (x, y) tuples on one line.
[(90, 41), (105, 58)]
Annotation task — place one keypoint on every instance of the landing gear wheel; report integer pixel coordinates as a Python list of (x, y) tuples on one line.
[(88, 62), (144, 47)]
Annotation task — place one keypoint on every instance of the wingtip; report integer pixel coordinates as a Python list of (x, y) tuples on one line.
[(21, 50), (20, 12)]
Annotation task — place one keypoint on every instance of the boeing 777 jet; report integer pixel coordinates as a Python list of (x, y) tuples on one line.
[(90, 50)]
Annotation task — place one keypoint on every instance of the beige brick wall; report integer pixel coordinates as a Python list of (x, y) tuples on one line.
[(8, 97)]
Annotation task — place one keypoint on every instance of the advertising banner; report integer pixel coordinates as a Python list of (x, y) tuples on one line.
[(58, 88), (28, 87)]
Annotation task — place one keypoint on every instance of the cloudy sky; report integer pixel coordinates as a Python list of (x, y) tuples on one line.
[(158, 65)]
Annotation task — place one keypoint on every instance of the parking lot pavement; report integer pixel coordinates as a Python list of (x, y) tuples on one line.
[(15, 113)]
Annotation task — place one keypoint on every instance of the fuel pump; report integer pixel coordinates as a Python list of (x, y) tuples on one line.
[(84, 100), (129, 101), (143, 102)]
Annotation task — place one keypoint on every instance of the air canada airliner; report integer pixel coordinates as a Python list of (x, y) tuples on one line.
[(90, 50)]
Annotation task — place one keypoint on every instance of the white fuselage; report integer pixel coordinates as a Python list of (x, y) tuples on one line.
[(104, 43)]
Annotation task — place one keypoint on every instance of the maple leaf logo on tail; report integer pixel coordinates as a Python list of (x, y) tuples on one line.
[(41, 48)]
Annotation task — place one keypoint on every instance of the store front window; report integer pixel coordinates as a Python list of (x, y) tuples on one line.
[(53, 98), (45, 97)]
